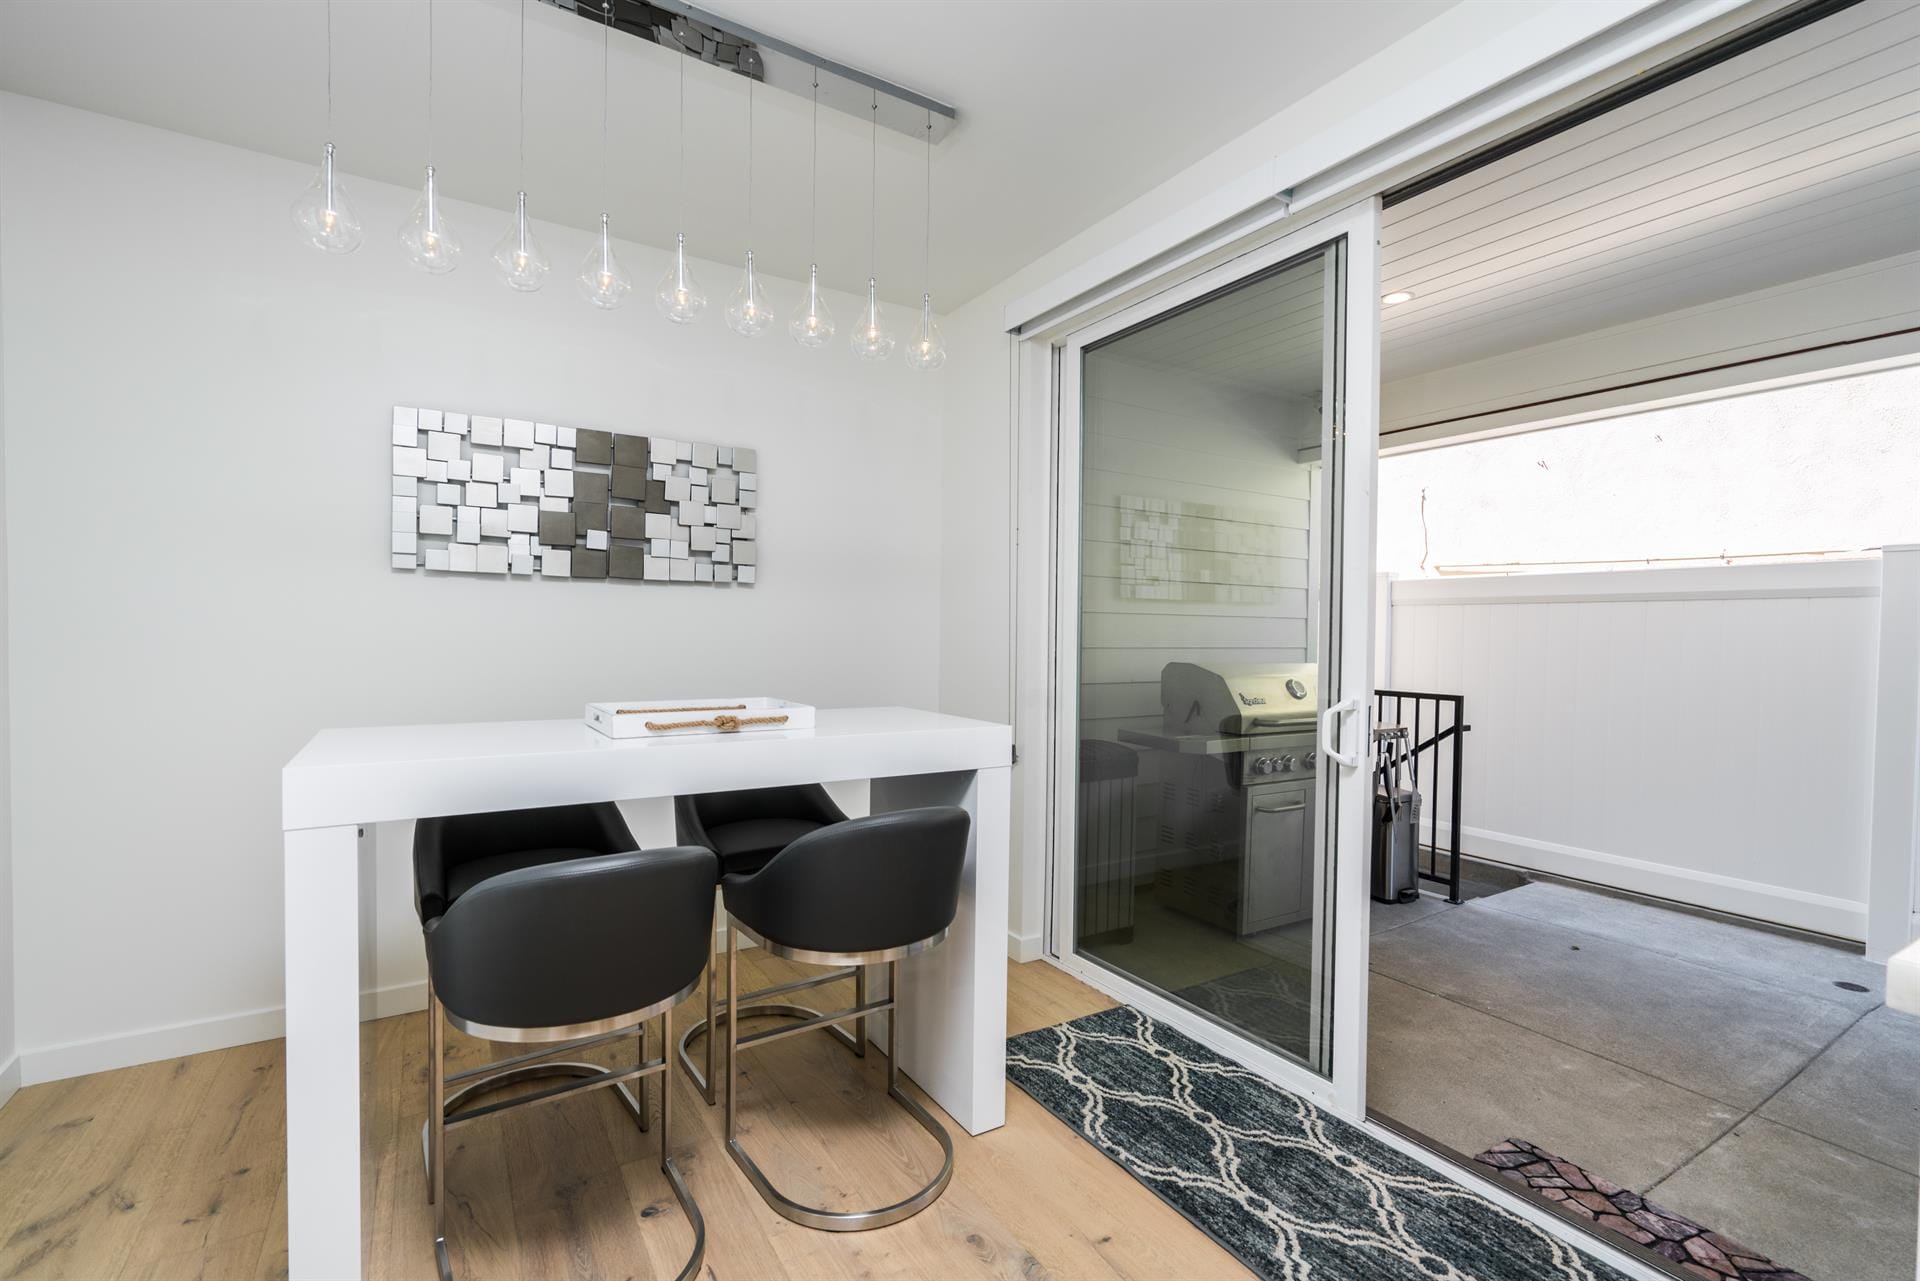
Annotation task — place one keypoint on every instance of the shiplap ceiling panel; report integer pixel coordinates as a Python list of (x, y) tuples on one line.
[(1796, 158)]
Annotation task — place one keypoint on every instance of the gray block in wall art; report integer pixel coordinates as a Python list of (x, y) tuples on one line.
[(506, 497), (592, 487), (745, 460), (628, 522), (626, 562), (556, 529), (629, 451), (594, 447), (629, 483), (589, 518)]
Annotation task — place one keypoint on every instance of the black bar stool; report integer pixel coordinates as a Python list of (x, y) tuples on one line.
[(746, 829), (869, 891), (567, 954)]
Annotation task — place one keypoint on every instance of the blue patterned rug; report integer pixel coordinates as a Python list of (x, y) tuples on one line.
[(1290, 1190)]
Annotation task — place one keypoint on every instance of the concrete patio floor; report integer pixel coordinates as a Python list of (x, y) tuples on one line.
[(1715, 1067)]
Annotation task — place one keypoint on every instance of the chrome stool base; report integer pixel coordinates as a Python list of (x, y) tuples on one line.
[(814, 1216), (717, 1007), (583, 1077)]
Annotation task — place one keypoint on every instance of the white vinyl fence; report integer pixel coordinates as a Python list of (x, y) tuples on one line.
[(1702, 734)]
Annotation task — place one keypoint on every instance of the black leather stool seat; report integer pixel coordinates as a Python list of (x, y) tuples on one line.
[(748, 828), (865, 885), (464, 876), (452, 855)]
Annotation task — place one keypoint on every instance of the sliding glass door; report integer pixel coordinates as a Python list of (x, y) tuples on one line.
[(1216, 472)]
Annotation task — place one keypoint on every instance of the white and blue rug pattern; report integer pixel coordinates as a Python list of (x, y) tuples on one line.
[(1293, 1192)]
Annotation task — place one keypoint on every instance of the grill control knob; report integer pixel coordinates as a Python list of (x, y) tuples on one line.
[(1306, 762), (1284, 765), (1263, 764)]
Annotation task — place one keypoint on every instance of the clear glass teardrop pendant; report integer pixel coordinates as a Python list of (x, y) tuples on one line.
[(324, 214), (518, 257), (603, 281), (927, 349), (679, 296), (747, 311), (812, 323), (871, 341), (430, 243)]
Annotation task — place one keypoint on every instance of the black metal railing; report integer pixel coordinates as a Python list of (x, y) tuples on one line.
[(1434, 753)]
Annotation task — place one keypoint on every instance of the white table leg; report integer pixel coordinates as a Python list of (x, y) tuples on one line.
[(323, 1054), (953, 1024)]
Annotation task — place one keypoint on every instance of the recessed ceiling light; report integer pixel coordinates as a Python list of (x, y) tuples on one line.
[(1396, 297)]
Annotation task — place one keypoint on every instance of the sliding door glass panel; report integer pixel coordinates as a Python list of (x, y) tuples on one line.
[(1208, 514)]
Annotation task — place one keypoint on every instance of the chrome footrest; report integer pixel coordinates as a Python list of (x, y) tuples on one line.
[(771, 1011)]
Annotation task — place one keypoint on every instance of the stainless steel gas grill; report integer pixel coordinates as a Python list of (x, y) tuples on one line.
[(1236, 763)]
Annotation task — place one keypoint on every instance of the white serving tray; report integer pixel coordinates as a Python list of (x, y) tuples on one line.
[(650, 718)]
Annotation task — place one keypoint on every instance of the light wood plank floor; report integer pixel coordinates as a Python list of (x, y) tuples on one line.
[(175, 1171)]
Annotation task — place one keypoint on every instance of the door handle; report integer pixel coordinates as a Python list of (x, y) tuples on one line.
[(1279, 809), (1330, 733)]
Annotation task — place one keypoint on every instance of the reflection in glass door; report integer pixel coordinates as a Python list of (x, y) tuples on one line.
[(1209, 509)]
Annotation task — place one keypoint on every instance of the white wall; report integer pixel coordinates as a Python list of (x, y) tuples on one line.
[(9, 1041), (1705, 735), (196, 416)]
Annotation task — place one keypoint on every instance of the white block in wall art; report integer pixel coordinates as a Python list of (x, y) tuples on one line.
[(510, 497)]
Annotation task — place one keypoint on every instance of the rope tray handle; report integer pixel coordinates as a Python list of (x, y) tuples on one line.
[(655, 711), (725, 724)]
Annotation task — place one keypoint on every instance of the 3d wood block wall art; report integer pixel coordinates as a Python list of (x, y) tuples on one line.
[(506, 496)]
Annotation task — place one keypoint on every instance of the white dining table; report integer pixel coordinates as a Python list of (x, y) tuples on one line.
[(953, 999)]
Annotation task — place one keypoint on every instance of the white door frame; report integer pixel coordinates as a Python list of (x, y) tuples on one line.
[(1346, 803)]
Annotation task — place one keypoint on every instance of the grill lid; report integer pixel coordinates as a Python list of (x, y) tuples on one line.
[(1238, 698)]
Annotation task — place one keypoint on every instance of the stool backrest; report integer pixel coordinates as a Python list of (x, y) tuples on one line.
[(578, 942), (868, 884), (694, 815), (441, 844)]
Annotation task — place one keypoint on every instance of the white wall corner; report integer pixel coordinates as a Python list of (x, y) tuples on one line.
[(9, 1079), (1023, 947), (1893, 860)]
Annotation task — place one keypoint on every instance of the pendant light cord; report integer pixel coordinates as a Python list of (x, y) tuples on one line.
[(606, 29), (329, 70), (873, 188), (813, 227), (749, 164), (429, 84), (926, 252), (680, 112), (523, 93)]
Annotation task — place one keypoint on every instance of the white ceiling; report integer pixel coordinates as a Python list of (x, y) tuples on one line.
[(1067, 111), (1794, 159)]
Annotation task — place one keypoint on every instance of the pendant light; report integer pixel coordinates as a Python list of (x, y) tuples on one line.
[(518, 257), (323, 213), (927, 349), (812, 324), (747, 310), (871, 341), (603, 281), (429, 241), (679, 296)]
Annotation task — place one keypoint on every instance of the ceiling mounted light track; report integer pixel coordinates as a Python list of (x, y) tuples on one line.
[(776, 63)]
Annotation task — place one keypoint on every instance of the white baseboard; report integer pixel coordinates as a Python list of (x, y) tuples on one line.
[(1023, 947), (149, 1045), (9, 1079), (1823, 914)]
